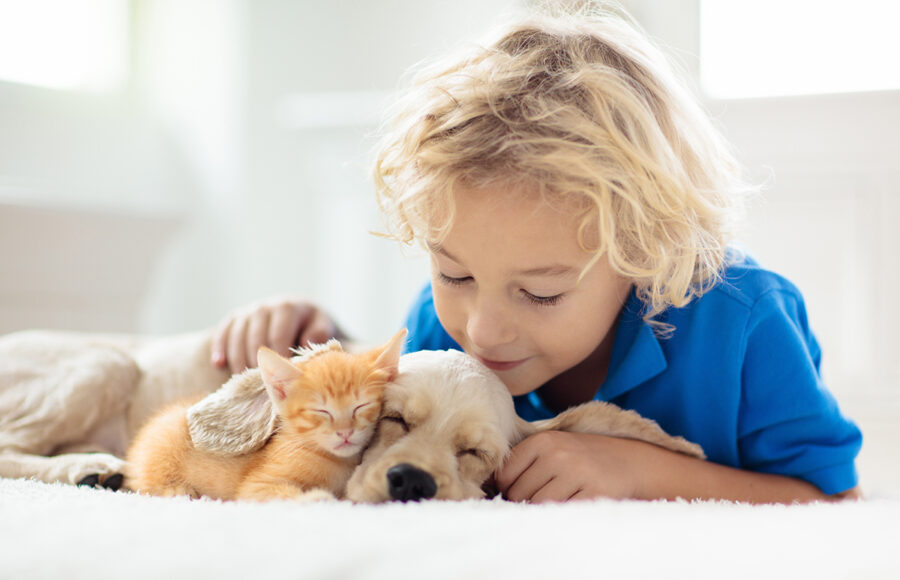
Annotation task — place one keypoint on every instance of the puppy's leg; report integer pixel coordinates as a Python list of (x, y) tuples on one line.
[(67, 468), (601, 418), (55, 390)]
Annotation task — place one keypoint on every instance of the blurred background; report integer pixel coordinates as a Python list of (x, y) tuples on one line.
[(165, 161)]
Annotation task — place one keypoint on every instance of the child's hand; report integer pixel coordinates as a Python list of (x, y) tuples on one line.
[(279, 323), (559, 466)]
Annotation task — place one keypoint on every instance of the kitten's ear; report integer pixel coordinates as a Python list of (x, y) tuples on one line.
[(388, 359), (277, 373)]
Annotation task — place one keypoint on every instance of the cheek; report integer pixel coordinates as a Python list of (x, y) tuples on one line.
[(382, 440), (449, 309), (366, 418), (473, 469), (306, 421)]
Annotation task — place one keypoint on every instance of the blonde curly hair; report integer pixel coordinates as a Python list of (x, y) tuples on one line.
[(587, 111)]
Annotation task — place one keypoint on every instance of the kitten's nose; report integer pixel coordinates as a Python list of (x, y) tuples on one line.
[(409, 483), (345, 434)]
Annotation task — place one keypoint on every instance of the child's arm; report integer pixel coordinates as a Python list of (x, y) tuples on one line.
[(279, 323), (558, 466)]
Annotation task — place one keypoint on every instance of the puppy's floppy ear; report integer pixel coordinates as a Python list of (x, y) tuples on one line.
[(388, 356), (236, 419)]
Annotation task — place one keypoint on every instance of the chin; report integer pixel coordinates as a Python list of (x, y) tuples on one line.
[(517, 388), (348, 451)]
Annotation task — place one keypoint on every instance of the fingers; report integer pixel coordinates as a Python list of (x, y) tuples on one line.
[(318, 330), (285, 322), (257, 334), (220, 343), (279, 324), (517, 479), (538, 485), (533, 474), (236, 347)]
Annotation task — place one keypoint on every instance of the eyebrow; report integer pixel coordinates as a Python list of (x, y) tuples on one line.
[(550, 270)]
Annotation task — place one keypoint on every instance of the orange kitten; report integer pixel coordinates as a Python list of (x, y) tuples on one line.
[(327, 403)]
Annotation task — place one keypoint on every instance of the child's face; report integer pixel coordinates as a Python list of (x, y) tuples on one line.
[(506, 287)]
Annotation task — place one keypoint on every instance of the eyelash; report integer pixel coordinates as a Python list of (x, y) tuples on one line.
[(543, 300), (453, 281), (536, 300)]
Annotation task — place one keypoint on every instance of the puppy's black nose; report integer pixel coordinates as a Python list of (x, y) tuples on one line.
[(409, 483)]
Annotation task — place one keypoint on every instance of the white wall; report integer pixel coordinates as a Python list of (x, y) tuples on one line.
[(233, 142), (287, 200), (242, 144)]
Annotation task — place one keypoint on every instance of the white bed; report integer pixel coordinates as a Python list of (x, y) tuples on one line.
[(59, 531)]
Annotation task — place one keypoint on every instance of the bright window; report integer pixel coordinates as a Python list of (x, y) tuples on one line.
[(760, 48), (64, 44)]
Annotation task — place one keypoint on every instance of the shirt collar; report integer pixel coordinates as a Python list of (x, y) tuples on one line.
[(636, 355)]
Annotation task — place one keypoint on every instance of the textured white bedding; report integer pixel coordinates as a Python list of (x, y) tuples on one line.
[(60, 531)]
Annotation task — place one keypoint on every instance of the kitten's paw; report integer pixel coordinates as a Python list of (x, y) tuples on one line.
[(317, 494)]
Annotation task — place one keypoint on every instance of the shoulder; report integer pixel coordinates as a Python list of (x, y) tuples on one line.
[(748, 291), (748, 301), (747, 283)]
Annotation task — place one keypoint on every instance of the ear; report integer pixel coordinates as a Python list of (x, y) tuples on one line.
[(388, 358), (278, 373), (236, 419)]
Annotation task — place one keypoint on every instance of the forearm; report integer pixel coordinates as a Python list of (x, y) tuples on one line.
[(671, 475)]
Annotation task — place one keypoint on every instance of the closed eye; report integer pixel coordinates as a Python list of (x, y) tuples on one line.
[(323, 412), (358, 407), (451, 281), (480, 454), (543, 300), (397, 419)]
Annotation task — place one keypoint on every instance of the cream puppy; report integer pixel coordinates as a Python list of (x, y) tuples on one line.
[(448, 422)]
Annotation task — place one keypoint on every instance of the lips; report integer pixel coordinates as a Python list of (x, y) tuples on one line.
[(496, 365)]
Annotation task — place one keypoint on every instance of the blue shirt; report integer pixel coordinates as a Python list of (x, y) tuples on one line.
[(739, 376)]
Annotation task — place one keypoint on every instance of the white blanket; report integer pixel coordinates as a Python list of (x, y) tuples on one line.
[(60, 531)]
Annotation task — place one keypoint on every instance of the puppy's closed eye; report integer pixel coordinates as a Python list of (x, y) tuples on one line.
[(396, 419), (478, 453)]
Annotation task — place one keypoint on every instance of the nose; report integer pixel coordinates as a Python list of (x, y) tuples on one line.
[(345, 434), (409, 483), (488, 326)]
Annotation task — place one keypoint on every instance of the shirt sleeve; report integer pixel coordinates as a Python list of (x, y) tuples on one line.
[(789, 423), (425, 330)]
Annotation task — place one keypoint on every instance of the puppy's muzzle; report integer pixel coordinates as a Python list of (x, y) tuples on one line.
[(409, 483)]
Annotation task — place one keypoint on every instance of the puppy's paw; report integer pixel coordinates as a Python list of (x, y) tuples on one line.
[(82, 468), (113, 482)]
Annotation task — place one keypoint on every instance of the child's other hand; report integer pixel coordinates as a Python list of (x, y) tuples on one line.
[(279, 323), (559, 466)]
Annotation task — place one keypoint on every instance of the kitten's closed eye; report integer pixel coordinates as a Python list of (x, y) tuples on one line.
[(358, 408)]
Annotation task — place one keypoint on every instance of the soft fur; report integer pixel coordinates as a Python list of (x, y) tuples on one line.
[(447, 423), (448, 419), (70, 403), (63, 394), (327, 402)]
